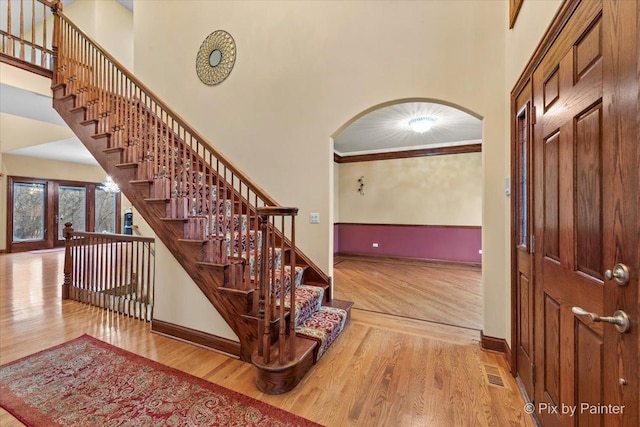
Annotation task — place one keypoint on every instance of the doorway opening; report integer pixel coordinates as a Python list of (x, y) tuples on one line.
[(408, 212)]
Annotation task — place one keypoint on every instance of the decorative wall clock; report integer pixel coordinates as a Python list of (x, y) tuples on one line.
[(216, 57)]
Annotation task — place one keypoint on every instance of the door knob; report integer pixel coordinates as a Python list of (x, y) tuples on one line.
[(619, 318), (620, 273)]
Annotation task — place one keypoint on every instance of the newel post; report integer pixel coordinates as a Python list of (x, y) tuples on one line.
[(56, 6), (264, 293), (68, 261)]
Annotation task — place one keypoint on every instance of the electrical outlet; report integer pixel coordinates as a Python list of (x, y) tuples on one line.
[(314, 218), (375, 244)]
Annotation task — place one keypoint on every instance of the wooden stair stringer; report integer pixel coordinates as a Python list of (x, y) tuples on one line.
[(231, 308)]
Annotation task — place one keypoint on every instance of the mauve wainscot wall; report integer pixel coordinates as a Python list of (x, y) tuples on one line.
[(437, 242)]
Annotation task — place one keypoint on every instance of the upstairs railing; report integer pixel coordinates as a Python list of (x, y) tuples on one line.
[(26, 34), (112, 271)]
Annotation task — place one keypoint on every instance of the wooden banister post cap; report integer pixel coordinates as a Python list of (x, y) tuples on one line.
[(67, 230)]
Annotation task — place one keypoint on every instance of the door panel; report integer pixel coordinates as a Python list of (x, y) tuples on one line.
[(586, 156), (621, 204), (568, 137), (524, 293), (588, 374), (588, 197), (72, 207)]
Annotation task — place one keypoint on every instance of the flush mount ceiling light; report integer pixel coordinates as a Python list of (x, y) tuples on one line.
[(421, 124)]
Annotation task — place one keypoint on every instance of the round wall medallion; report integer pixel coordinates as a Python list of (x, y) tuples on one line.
[(216, 57)]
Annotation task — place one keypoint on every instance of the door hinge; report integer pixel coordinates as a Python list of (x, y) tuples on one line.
[(533, 373), (533, 115), (532, 244)]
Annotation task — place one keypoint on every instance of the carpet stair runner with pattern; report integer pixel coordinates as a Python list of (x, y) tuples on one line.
[(208, 224), (313, 320)]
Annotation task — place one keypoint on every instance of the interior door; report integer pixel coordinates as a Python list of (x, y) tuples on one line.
[(586, 186), (523, 291)]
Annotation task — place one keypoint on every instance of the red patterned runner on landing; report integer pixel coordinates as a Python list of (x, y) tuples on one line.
[(87, 382)]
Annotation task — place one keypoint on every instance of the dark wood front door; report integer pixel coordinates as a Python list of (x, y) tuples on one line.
[(586, 202)]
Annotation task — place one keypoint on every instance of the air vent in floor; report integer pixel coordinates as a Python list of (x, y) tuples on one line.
[(493, 375)]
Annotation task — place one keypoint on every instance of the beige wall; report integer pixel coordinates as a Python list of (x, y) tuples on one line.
[(438, 190), (521, 41), (19, 78), (107, 22), (304, 69)]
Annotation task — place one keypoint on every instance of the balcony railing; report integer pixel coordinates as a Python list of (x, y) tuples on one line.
[(112, 271), (26, 34)]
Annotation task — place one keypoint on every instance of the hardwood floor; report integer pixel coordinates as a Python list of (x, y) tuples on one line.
[(444, 293), (383, 371)]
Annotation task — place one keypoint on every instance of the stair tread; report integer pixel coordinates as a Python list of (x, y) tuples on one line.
[(324, 326), (236, 291), (209, 264), (78, 109), (153, 199), (101, 135), (175, 219), (113, 150), (127, 165), (338, 303), (89, 122), (140, 182), (67, 97), (193, 241)]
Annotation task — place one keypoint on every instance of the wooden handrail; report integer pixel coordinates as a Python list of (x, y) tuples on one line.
[(113, 271), (114, 237), (175, 116), (118, 93)]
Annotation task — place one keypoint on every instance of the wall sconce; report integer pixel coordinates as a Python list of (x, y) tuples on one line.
[(361, 185)]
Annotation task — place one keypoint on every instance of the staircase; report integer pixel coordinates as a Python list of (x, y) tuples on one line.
[(234, 240)]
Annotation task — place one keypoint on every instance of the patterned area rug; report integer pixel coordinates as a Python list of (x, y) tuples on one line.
[(87, 382)]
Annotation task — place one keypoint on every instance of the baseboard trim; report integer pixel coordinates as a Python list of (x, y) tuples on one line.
[(405, 259), (498, 345), (193, 336)]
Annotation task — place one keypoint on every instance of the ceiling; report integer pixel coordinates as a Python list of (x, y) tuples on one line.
[(386, 129)]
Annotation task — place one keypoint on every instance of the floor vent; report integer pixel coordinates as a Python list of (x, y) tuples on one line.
[(493, 375)]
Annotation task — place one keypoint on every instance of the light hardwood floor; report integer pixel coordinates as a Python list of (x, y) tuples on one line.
[(439, 292), (383, 371)]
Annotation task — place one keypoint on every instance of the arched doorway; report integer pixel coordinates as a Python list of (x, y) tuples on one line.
[(408, 211)]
